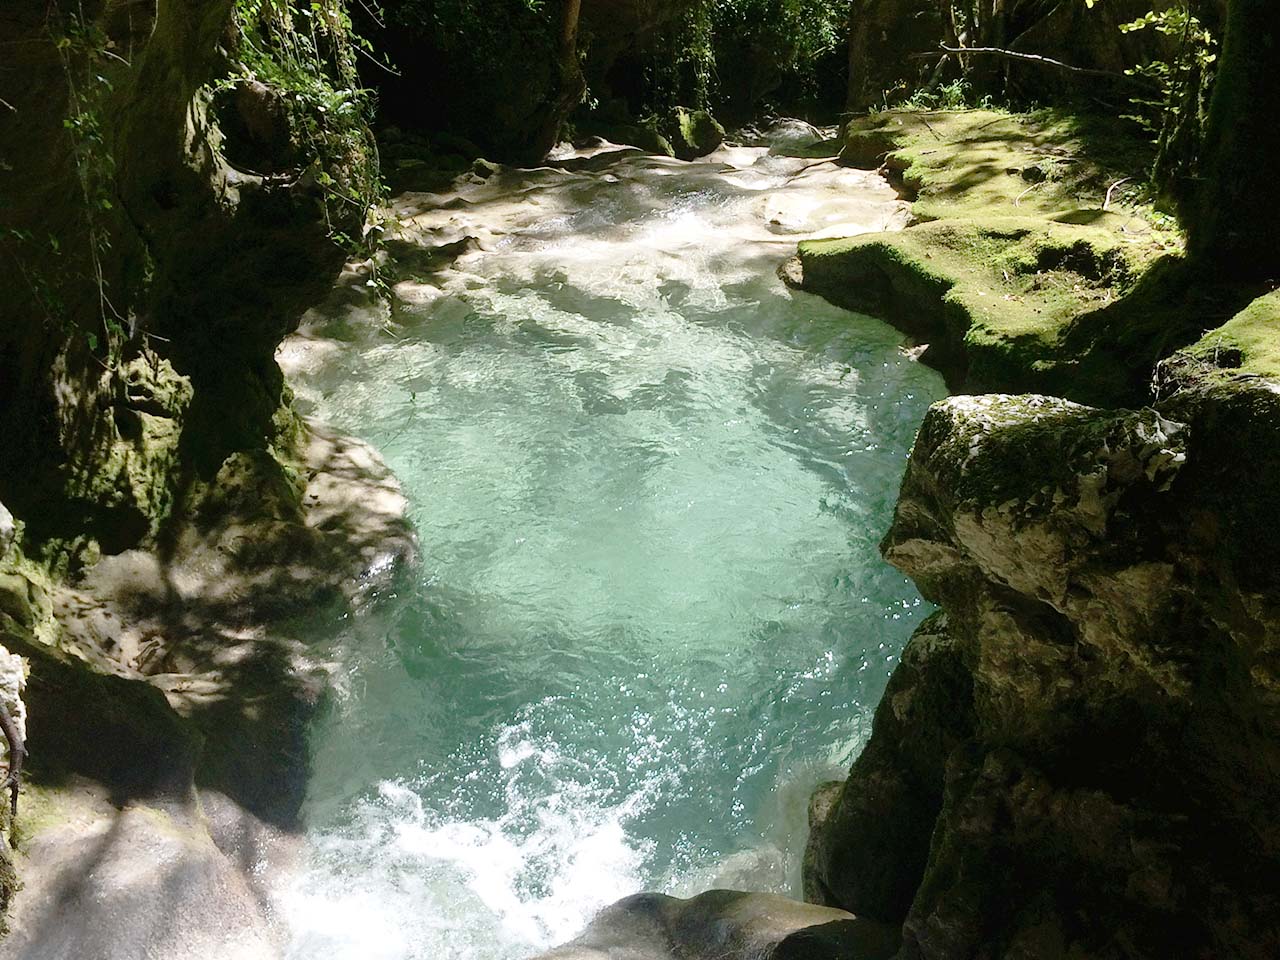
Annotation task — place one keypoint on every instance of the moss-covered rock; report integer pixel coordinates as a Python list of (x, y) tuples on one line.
[(1050, 163), (1078, 758), (9, 887), (894, 792), (993, 297), (643, 135), (694, 133), (1246, 345), (161, 276), (1028, 268)]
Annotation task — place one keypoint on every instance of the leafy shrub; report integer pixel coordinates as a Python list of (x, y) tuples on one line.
[(305, 51)]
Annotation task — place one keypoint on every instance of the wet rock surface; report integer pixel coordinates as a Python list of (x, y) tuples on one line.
[(786, 136), (169, 695), (1078, 756), (136, 881), (726, 925)]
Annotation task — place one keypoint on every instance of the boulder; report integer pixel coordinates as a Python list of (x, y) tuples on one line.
[(1078, 756), (13, 680), (8, 530), (726, 925), (642, 135), (695, 133), (15, 598), (134, 883), (786, 137)]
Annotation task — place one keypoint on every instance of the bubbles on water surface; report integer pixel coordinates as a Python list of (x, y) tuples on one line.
[(650, 484)]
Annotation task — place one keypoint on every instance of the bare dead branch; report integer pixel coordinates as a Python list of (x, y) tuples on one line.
[(1035, 58), (1111, 191), (1017, 202)]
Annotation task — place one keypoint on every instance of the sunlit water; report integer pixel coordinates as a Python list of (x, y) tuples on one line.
[(649, 483)]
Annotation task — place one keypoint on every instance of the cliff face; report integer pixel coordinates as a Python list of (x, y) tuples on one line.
[(150, 280), (1079, 755), (170, 512), (145, 425)]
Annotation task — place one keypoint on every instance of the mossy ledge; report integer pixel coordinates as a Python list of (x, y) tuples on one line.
[(1028, 267)]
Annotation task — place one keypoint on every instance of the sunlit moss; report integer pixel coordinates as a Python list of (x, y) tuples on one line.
[(1065, 167), (1248, 343), (994, 297)]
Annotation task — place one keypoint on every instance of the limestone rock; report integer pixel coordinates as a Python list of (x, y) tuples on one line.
[(13, 680), (8, 530), (131, 884), (725, 925), (786, 137), (15, 600), (781, 135), (788, 133), (1078, 756), (642, 135)]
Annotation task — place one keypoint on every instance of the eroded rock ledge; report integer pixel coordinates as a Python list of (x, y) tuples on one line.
[(170, 691), (1079, 756)]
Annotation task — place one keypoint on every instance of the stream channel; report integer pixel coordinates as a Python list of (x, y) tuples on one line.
[(651, 614)]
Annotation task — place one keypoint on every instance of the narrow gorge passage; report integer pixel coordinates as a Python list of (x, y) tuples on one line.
[(651, 614)]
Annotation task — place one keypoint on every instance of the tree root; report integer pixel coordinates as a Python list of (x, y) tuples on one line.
[(13, 779)]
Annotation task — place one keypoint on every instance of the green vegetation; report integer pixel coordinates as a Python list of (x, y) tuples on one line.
[(51, 265), (1155, 67), (754, 55), (1039, 261), (638, 62), (994, 297), (305, 52), (1051, 163), (1176, 111), (178, 183), (453, 62), (798, 34)]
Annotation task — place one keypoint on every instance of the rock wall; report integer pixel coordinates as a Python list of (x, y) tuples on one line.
[(1079, 756), (150, 279), (173, 521)]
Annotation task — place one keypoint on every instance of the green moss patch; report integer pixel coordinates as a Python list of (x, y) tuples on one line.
[(694, 133), (1049, 163), (995, 297), (1248, 343), (1035, 263)]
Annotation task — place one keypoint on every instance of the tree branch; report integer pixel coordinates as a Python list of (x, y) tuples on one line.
[(1038, 60)]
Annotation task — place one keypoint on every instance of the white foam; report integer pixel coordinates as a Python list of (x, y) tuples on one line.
[(401, 883)]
